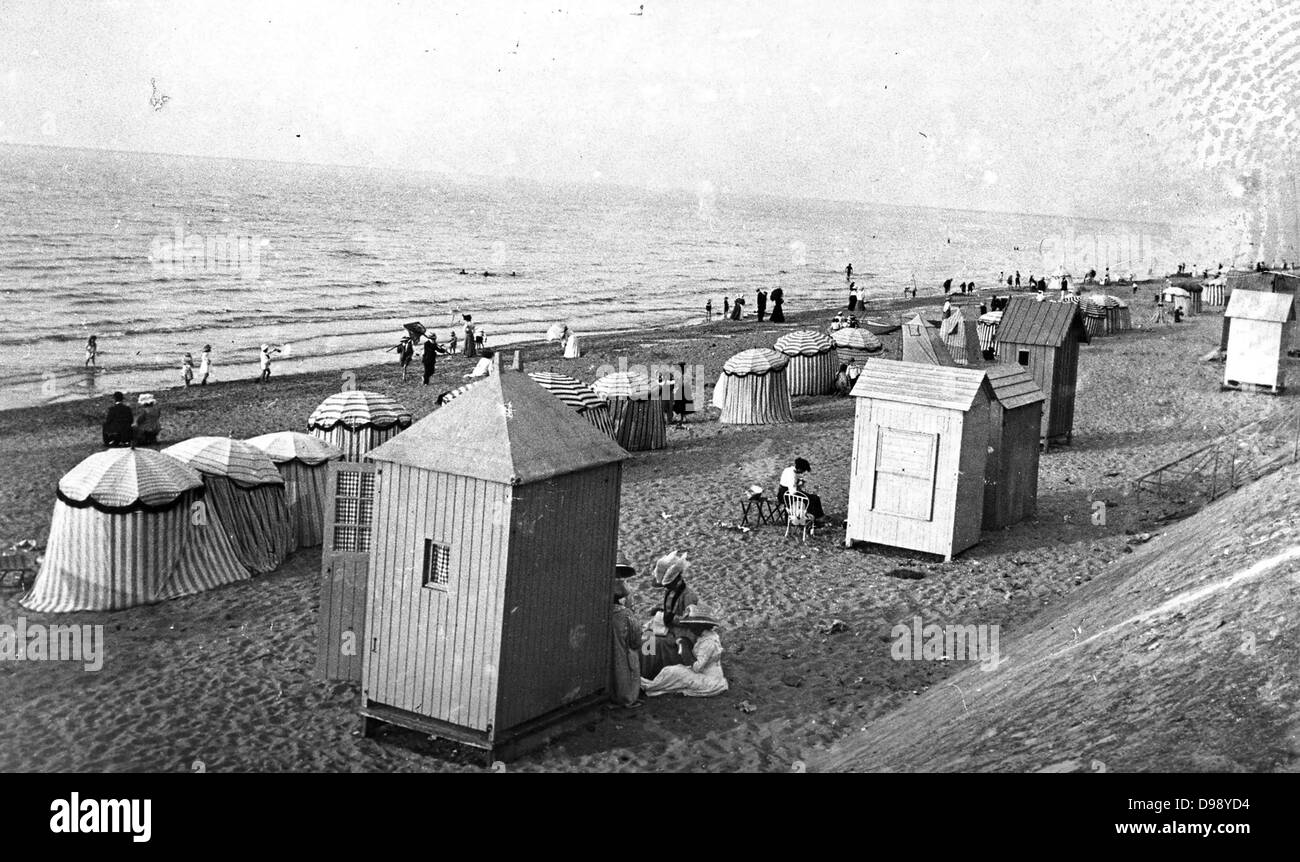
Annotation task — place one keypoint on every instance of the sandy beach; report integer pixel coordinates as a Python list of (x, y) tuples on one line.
[(223, 681)]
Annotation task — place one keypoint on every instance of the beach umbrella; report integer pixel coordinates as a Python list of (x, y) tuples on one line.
[(577, 395), (813, 361), (124, 533), (284, 446), (756, 391), (120, 478), (242, 463), (416, 329), (303, 463), (556, 332)]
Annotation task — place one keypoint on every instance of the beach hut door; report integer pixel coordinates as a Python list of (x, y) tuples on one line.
[(905, 470), (345, 568)]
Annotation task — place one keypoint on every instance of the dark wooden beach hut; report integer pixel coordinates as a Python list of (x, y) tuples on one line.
[(920, 446), (1044, 337), (1015, 420), (493, 537)]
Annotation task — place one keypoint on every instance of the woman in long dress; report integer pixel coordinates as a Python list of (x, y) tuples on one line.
[(625, 681), (704, 676), (663, 638), (778, 300)]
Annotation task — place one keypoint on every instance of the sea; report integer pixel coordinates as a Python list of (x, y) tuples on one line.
[(159, 255)]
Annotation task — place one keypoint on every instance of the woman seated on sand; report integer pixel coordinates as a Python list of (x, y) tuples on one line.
[(484, 367), (148, 421), (663, 642), (703, 677)]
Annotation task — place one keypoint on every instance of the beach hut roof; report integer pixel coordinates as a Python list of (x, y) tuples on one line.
[(804, 342), (506, 429), (124, 479), (285, 446), (1258, 305), (240, 462), (1251, 280), (919, 383), (1104, 300), (993, 318), (857, 339), (356, 408), (571, 391), (757, 360), (1013, 386), (922, 343), (1175, 291), (1027, 321), (623, 384)]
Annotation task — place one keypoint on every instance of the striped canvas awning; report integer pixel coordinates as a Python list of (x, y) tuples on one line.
[(119, 479), (757, 360), (857, 339), (359, 409), (284, 446), (241, 463), (457, 392), (804, 342), (623, 384), (571, 391)]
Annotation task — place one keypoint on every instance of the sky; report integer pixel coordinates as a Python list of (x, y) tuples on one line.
[(1056, 106)]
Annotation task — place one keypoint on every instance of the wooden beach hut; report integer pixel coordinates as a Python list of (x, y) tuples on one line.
[(580, 398), (856, 344), (131, 527), (1011, 473), (961, 339), (1261, 332), (814, 361), (1044, 337), (922, 344), (247, 493), (639, 421), (756, 391), (920, 442), (303, 462), (493, 537), (357, 421)]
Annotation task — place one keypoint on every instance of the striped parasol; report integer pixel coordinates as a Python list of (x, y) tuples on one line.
[(241, 463), (623, 384), (357, 408), (857, 339), (284, 446), (757, 360), (572, 392), (804, 342), (121, 478)]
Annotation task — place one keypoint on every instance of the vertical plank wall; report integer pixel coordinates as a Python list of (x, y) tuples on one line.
[(1256, 352), (1064, 377), (556, 641), (1012, 493), (431, 650)]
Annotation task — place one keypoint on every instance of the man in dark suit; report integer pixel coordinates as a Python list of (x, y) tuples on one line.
[(762, 304), (118, 422)]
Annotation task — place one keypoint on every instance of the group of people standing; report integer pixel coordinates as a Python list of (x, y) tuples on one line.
[(677, 651), (734, 309)]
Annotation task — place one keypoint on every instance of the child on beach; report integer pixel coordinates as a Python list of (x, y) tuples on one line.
[(451, 345), (708, 311), (92, 350), (265, 358), (405, 351), (187, 370), (625, 682), (205, 364), (703, 677)]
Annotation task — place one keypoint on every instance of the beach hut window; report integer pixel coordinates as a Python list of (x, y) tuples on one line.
[(1022, 356), (352, 508), (905, 469), (437, 564)]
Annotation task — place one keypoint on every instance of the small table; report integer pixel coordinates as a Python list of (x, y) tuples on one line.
[(763, 509)]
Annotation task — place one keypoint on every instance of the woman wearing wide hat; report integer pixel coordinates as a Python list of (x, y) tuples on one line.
[(665, 643), (703, 677)]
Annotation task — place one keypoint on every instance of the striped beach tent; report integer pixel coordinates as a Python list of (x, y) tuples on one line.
[(1178, 298), (987, 330), (639, 422), (303, 462), (960, 338), (1094, 317), (579, 396), (357, 421), (131, 527), (814, 361), (1214, 292), (856, 344), (756, 390), (247, 493)]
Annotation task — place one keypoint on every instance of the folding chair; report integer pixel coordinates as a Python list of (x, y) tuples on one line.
[(796, 514)]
